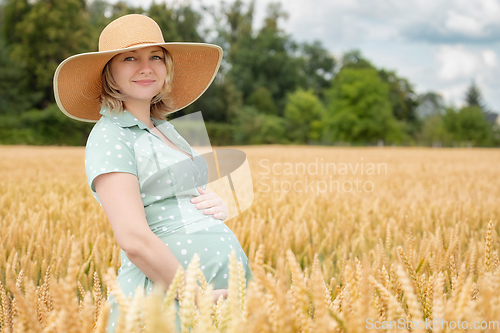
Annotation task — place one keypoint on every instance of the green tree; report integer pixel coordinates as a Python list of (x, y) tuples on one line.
[(401, 94), (430, 103), (41, 34), (234, 21), (262, 100), (98, 12), (219, 103), (166, 19), (360, 110), (15, 93), (264, 58), (121, 8), (43, 127), (434, 132), (468, 125), (253, 127), (403, 100), (354, 59), (318, 66), (187, 23), (11, 13), (51, 127), (178, 24), (303, 113), (473, 97)]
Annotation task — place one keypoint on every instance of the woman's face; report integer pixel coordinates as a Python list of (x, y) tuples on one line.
[(139, 74)]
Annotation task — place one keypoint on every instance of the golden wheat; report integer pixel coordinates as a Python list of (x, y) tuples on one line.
[(418, 242)]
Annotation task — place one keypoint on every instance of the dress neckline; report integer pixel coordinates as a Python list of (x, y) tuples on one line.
[(180, 152)]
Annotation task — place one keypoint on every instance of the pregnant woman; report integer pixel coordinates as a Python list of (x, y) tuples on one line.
[(129, 87)]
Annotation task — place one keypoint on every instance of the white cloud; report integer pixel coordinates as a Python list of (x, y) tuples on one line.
[(455, 94), (464, 24), (489, 58), (473, 18), (456, 21), (439, 45), (456, 62)]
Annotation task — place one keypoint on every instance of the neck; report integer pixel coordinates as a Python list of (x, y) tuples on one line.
[(141, 110)]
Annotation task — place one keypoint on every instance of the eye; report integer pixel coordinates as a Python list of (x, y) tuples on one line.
[(155, 57), (129, 59)]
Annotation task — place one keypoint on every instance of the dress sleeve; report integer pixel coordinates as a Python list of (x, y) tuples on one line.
[(108, 150)]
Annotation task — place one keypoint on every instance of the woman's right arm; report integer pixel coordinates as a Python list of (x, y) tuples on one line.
[(119, 195)]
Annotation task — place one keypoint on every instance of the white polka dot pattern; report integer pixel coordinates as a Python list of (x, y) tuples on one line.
[(183, 228)]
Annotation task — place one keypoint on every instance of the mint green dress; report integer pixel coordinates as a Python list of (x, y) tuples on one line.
[(167, 179)]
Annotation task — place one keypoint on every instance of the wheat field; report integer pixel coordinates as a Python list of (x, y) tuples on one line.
[(339, 240)]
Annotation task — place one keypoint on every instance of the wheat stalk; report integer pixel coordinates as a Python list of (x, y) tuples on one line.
[(489, 245), (414, 309), (26, 320), (56, 240), (97, 295), (186, 302), (133, 321)]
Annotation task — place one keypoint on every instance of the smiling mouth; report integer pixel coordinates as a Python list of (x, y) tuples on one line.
[(144, 82)]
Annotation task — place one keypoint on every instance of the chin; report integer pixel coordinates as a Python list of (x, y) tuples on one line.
[(147, 97)]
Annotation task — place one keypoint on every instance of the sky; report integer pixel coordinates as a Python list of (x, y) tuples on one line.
[(438, 45)]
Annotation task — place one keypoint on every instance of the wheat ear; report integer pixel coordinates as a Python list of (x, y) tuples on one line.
[(187, 309)]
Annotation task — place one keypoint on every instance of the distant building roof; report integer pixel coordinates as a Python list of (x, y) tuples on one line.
[(492, 117)]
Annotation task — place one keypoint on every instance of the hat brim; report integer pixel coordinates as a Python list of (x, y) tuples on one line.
[(78, 79)]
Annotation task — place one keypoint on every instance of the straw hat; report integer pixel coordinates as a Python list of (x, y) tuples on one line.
[(77, 80)]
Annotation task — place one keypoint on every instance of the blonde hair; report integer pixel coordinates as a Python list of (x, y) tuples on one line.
[(161, 104)]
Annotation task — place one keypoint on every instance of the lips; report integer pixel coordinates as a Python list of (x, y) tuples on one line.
[(144, 82)]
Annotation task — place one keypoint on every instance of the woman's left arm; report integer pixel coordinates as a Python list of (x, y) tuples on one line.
[(210, 200)]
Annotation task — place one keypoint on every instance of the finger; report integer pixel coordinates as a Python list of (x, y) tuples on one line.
[(196, 199), (204, 195), (200, 197), (216, 212), (219, 215), (211, 211), (208, 203)]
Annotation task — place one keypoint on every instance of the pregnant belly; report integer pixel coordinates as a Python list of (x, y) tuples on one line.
[(187, 230), (176, 214), (213, 246)]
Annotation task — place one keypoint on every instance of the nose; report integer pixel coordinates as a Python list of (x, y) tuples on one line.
[(144, 67)]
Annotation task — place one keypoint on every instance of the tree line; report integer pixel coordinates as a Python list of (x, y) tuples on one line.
[(270, 88)]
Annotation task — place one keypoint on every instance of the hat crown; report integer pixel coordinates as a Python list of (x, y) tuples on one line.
[(130, 30)]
